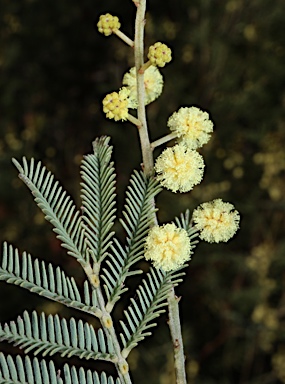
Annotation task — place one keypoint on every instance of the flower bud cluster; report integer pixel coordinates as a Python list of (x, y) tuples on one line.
[(159, 54), (115, 104), (108, 24)]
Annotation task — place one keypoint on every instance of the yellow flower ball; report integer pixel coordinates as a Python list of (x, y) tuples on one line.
[(168, 247), (192, 126), (179, 168), (108, 24), (159, 54), (153, 85), (218, 221), (115, 104)]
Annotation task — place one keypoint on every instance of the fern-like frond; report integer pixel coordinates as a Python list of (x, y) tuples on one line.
[(45, 280), (18, 370), (24, 370), (185, 222), (152, 295), (50, 334), (80, 376), (56, 205), (138, 216), (98, 198)]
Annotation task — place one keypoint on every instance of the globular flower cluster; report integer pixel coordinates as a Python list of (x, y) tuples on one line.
[(168, 247), (192, 126), (159, 54), (153, 84), (218, 221), (115, 104), (108, 24), (179, 168)]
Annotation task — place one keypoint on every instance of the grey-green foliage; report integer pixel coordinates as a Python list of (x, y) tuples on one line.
[(98, 199), (26, 371), (140, 314), (45, 280), (87, 235), (50, 334), (138, 215)]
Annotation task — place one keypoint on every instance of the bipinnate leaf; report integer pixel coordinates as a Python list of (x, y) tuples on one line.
[(151, 300), (98, 198), (87, 232), (24, 370), (45, 280), (50, 334), (138, 215)]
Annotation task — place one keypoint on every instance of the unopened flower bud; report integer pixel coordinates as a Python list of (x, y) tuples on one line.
[(108, 24), (159, 54)]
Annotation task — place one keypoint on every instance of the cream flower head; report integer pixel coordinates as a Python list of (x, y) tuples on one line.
[(192, 126), (167, 246), (153, 85), (217, 221), (179, 168)]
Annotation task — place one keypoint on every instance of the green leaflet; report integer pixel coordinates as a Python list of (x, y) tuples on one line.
[(45, 280), (50, 334), (19, 370)]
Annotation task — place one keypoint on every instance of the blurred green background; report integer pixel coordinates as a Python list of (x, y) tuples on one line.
[(228, 59)]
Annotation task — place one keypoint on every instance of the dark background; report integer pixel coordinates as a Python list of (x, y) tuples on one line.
[(228, 59)]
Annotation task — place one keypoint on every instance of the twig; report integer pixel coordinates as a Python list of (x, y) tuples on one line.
[(139, 61), (176, 335), (147, 155)]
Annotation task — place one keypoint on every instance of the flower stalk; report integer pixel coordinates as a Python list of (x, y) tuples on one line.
[(124, 37), (163, 140), (145, 66), (132, 119), (176, 335), (139, 61), (148, 163)]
